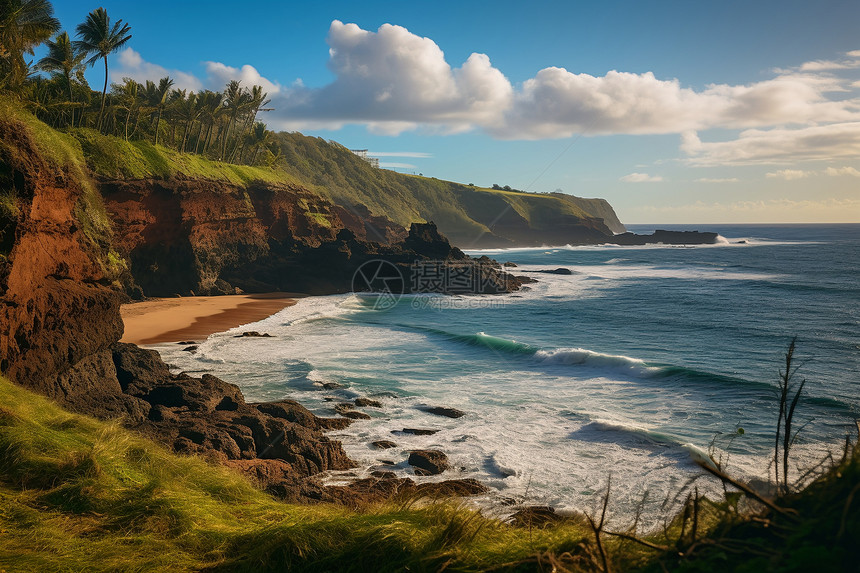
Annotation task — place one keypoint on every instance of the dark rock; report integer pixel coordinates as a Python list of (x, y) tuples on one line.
[(384, 444), (452, 488), (355, 415), (291, 411), (428, 462), (509, 264), (331, 385), (253, 334), (344, 407), (383, 474), (190, 349), (558, 271), (415, 431), (367, 402), (443, 411), (666, 238), (187, 343)]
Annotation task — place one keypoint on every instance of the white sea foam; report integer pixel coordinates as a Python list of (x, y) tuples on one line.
[(612, 363)]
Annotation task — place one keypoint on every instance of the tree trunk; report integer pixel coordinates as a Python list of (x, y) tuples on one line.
[(157, 124), (104, 95)]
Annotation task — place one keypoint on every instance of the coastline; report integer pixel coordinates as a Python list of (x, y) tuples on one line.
[(161, 320)]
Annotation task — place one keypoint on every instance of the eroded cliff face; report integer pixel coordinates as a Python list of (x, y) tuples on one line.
[(209, 237), (58, 315), (60, 323)]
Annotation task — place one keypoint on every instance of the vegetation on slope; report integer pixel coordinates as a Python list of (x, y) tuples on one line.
[(62, 152), (76, 493), (463, 212)]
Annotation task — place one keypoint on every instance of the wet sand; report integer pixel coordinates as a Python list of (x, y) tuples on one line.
[(162, 320)]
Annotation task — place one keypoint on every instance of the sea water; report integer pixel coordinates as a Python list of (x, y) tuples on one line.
[(641, 360)]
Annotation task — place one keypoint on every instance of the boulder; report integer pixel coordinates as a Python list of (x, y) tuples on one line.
[(443, 411), (384, 444), (428, 462)]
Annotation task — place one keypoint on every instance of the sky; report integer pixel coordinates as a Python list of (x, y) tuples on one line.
[(675, 112)]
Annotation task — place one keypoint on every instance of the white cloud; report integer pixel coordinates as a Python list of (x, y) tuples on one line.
[(776, 146), (393, 81), (717, 180), (837, 171), (788, 174), (641, 178), (218, 75), (130, 64), (558, 103)]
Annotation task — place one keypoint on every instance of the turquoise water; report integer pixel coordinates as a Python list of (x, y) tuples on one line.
[(638, 360)]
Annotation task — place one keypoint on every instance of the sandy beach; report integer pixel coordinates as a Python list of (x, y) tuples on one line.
[(194, 318)]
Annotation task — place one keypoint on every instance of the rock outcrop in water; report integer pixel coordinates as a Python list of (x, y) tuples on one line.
[(666, 238)]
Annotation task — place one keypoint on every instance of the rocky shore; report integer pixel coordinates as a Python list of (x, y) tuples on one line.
[(60, 322)]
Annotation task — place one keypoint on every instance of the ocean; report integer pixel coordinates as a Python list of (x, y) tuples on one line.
[(630, 367)]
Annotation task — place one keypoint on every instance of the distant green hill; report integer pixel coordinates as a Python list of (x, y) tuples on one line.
[(470, 216)]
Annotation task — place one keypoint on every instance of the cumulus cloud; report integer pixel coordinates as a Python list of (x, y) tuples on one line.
[(641, 178), (775, 146), (558, 103), (130, 64), (218, 75), (788, 174), (838, 171), (393, 80), (717, 180)]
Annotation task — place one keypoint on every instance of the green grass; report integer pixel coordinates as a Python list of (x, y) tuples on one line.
[(115, 158), (76, 493), (81, 494)]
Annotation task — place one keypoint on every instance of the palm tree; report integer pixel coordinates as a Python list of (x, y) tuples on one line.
[(211, 110), (187, 110), (24, 24), (98, 38), (128, 99), (256, 99), (236, 100), (156, 96), (63, 59)]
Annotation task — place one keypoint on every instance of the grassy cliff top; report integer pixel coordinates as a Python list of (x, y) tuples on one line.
[(115, 158)]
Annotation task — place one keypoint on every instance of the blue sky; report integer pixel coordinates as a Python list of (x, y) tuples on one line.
[(689, 112)]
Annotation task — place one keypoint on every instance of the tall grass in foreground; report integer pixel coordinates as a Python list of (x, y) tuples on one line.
[(80, 494), (76, 494)]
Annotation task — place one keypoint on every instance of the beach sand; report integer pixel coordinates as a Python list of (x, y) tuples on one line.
[(162, 320)]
